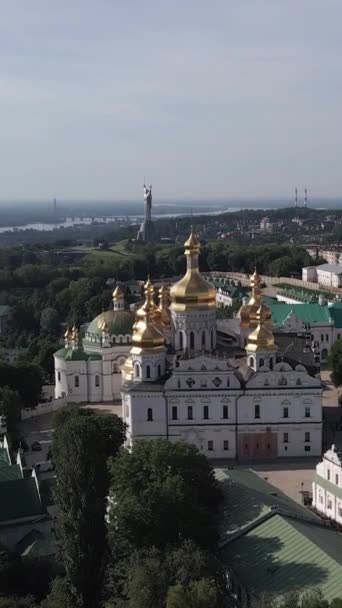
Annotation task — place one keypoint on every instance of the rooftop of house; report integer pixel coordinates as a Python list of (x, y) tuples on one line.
[(19, 499), (335, 268), (309, 313), (274, 544)]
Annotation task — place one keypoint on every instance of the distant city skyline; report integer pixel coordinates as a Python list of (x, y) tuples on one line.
[(231, 99)]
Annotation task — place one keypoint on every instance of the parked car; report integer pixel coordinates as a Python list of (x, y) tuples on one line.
[(44, 467), (36, 447)]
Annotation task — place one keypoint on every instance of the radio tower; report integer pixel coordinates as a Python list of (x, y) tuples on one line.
[(296, 198), (305, 198)]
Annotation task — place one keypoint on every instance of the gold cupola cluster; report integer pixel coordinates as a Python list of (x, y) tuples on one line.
[(261, 339), (192, 292), (248, 311), (147, 333)]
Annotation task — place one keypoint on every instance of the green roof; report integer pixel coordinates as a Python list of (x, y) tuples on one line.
[(76, 354), (4, 458), (282, 554), (249, 497), (328, 485), (335, 312), (10, 472), (309, 313), (36, 544), (274, 544), (19, 498), (118, 322)]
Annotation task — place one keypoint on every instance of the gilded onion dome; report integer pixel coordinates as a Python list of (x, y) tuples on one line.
[(192, 292), (247, 312), (146, 336), (261, 339), (118, 293), (164, 306)]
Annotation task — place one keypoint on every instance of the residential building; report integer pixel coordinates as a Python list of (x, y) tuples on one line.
[(24, 521), (327, 486), (327, 275)]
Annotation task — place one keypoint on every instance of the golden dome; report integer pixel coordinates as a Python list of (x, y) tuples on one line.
[(248, 311), (146, 336), (261, 339), (75, 334), (118, 293), (192, 291), (164, 306), (67, 334), (127, 369)]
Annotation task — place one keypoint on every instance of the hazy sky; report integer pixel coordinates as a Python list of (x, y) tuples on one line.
[(211, 98)]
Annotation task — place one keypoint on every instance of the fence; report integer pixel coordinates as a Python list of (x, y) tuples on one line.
[(44, 408)]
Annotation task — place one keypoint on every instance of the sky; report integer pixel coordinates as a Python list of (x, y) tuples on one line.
[(202, 98)]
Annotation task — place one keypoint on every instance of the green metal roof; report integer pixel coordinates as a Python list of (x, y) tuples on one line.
[(248, 498), (10, 472), (309, 313), (19, 498), (328, 485), (36, 544), (283, 554), (335, 312), (118, 322), (4, 458), (273, 544), (76, 354)]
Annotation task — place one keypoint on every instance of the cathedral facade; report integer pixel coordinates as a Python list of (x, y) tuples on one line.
[(177, 384), (88, 368)]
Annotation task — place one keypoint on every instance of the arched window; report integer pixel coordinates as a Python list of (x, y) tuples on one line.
[(113, 339), (149, 414), (324, 354), (59, 376), (271, 363), (137, 370), (203, 339), (159, 371), (228, 381), (115, 368), (298, 382), (192, 340), (212, 339), (148, 371), (261, 363), (77, 381), (97, 380), (251, 362), (181, 339)]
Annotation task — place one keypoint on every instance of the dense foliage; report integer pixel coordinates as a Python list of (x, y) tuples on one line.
[(82, 443), (163, 493)]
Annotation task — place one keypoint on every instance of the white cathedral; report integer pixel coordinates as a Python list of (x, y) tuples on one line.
[(177, 384)]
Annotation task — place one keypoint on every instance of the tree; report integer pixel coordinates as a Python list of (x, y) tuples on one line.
[(82, 443), (199, 594), (12, 405), (163, 493), (335, 362), (59, 596), (144, 578), (49, 321)]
